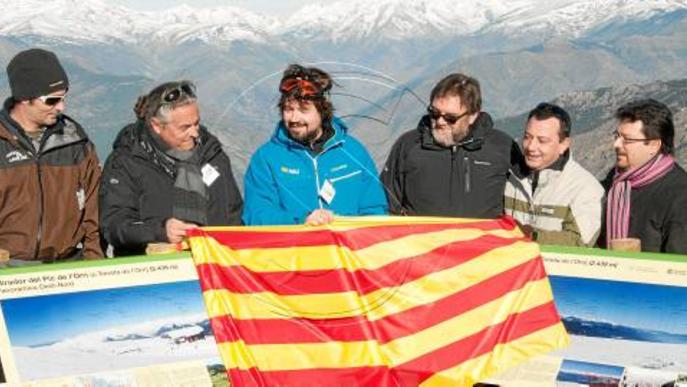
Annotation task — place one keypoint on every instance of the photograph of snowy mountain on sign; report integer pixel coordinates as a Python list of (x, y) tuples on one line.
[(108, 330), (645, 330)]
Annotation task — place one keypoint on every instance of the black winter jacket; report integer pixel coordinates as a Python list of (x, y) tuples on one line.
[(136, 193), (423, 178), (658, 213)]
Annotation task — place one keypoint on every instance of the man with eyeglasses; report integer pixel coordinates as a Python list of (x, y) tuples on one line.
[(311, 169), (646, 190), (165, 175), (554, 199), (454, 163), (49, 171)]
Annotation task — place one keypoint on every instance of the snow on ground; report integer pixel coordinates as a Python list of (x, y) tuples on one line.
[(106, 351), (657, 356)]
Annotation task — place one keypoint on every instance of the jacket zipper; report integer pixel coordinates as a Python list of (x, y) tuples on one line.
[(450, 183), (317, 174), (317, 180), (466, 160), (39, 233)]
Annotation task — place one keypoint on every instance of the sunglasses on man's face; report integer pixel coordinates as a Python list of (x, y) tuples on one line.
[(52, 100), (175, 93), (450, 119)]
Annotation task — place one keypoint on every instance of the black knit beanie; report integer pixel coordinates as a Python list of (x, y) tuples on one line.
[(35, 72)]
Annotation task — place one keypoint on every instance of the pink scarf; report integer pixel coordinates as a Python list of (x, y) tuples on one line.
[(618, 202)]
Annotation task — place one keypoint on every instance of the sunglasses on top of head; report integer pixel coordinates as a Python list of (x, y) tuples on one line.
[(306, 87), (173, 94), (51, 100), (450, 119)]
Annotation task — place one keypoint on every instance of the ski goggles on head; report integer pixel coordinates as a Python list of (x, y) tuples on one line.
[(450, 119), (174, 93), (306, 88), (51, 100)]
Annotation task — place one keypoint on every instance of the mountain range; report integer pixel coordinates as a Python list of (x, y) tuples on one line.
[(385, 57), (99, 21), (583, 327)]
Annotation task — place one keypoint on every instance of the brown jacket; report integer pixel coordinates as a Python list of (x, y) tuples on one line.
[(49, 198)]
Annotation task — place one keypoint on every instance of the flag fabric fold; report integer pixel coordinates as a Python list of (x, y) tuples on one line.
[(375, 301)]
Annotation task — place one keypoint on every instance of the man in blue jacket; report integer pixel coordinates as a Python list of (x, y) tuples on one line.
[(310, 169)]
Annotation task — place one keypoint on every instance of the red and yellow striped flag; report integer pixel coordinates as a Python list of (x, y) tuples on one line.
[(375, 301)]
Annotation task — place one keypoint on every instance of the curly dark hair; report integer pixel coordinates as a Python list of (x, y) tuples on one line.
[(314, 85)]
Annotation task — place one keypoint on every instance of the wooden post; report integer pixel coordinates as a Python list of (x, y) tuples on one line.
[(4, 256), (159, 248)]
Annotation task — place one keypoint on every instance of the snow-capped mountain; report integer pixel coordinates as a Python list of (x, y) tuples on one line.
[(96, 20), (396, 19), (574, 18), (68, 20)]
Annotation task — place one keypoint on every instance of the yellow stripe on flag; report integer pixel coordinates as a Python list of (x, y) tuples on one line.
[(377, 304), (502, 357), (328, 257), (270, 357), (533, 294)]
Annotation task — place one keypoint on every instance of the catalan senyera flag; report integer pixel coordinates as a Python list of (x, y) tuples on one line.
[(375, 301)]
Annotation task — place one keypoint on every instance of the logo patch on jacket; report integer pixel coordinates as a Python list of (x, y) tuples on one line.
[(339, 168), (290, 171), (15, 156), (81, 198)]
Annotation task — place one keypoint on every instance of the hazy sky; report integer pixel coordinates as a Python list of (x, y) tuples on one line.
[(267, 7), (46, 319)]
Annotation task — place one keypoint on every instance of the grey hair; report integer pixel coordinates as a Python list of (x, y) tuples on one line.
[(153, 104), (163, 111)]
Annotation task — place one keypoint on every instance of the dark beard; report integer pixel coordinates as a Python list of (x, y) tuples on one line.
[(307, 138)]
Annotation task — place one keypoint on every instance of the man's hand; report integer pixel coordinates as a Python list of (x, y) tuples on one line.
[(176, 229), (319, 217), (527, 230)]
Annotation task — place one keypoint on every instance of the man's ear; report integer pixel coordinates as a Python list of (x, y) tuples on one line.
[(564, 145), (156, 125), (473, 117), (655, 146)]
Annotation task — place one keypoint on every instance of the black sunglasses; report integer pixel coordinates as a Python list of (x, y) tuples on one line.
[(449, 118), (173, 94), (52, 100)]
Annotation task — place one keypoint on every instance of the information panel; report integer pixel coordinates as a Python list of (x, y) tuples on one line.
[(141, 322)]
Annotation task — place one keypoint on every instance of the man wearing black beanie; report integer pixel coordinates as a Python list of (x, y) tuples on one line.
[(49, 170)]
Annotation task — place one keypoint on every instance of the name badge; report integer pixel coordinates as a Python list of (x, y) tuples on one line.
[(327, 192), (210, 174)]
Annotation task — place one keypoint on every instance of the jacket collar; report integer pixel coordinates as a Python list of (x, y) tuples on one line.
[(136, 139), (64, 132), (557, 165), (473, 141), (546, 175)]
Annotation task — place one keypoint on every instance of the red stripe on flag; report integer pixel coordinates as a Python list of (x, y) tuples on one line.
[(300, 330), (354, 239), (239, 279), (332, 377), (514, 327), (411, 373)]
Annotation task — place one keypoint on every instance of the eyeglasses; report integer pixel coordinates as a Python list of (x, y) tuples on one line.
[(626, 140), (173, 94), (52, 100), (449, 118), (306, 87)]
